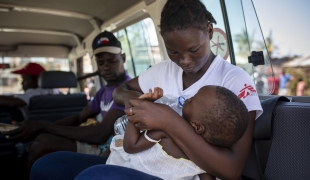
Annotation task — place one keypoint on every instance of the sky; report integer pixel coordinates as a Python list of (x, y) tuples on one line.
[(289, 21)]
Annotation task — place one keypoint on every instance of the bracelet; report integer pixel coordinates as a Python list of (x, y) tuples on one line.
[(150, 139)]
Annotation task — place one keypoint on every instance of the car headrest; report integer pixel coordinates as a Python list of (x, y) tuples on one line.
[(57, 79)]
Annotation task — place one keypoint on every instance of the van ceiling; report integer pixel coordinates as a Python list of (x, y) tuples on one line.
[(63, 23)]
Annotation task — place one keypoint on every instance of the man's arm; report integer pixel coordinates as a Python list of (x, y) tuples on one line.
[(96, 134), (29, 129), (135, 142), (76, 120), (11, 102)]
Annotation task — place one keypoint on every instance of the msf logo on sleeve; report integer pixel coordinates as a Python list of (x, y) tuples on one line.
[(248, 90)]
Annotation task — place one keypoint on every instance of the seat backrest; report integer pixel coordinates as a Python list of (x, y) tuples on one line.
[(57, 79), (289, 156), (287, 149), (55, 107), (305, 99)]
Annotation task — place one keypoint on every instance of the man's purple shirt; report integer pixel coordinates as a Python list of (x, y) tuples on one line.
[(103, 100)]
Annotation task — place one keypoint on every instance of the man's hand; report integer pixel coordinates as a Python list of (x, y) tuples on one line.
[(27, 130)]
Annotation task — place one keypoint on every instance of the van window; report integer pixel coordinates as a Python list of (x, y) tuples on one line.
[(285, 26), (87, 76), (11, 83), (139, 42), (219, 43), (231, 38)]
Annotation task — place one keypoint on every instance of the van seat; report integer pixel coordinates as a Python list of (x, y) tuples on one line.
[(305, 99), (282, 151), (57, 79), (55, 107), (289, 156)]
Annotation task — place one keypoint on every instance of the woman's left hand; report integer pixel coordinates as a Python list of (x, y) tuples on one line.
[(148, 115)]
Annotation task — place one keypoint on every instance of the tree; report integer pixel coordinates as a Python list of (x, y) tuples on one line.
[(244, 42), (271, 47)]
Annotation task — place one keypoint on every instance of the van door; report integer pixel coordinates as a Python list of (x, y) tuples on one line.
[(236, 35)]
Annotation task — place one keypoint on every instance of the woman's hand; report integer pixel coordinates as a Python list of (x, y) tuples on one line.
[(148, 115)]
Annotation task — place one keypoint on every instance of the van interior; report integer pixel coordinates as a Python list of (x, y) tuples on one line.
[(64, 29)]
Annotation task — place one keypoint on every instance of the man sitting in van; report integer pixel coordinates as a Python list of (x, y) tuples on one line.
[(30, 74), (67, 134)]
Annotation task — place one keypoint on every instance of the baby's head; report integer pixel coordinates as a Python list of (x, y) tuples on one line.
[(217, 114)]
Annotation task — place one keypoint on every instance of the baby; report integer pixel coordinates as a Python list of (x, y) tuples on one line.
[(215, 113)]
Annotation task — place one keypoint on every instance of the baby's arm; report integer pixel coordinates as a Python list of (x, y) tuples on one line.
[(135, 142), (206, 176)]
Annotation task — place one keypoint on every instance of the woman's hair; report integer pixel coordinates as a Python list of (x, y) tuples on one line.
[(184, 14), (227, 118)]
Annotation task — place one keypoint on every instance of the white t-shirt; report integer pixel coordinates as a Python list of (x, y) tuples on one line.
[(29, 93), (168, 76)]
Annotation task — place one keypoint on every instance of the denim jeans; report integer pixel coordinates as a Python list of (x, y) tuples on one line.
[(111, 172), (65, 165)]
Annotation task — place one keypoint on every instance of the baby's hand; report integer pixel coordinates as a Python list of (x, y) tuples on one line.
[(158, 93)]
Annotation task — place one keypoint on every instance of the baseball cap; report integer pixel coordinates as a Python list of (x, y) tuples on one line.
[(30, 69), (106, 42)]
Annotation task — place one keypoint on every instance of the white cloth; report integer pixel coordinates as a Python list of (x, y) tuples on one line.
[(29, 93), (221, 73), (154, 161)]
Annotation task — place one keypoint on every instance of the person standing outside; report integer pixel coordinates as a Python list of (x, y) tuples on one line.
[(284, 80), (273, 84), (301, 87)]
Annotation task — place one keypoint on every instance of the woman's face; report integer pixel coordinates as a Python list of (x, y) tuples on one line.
[(189, 48)]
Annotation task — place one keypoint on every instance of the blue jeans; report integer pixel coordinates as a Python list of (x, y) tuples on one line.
[(65, 165), (111, 172)]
